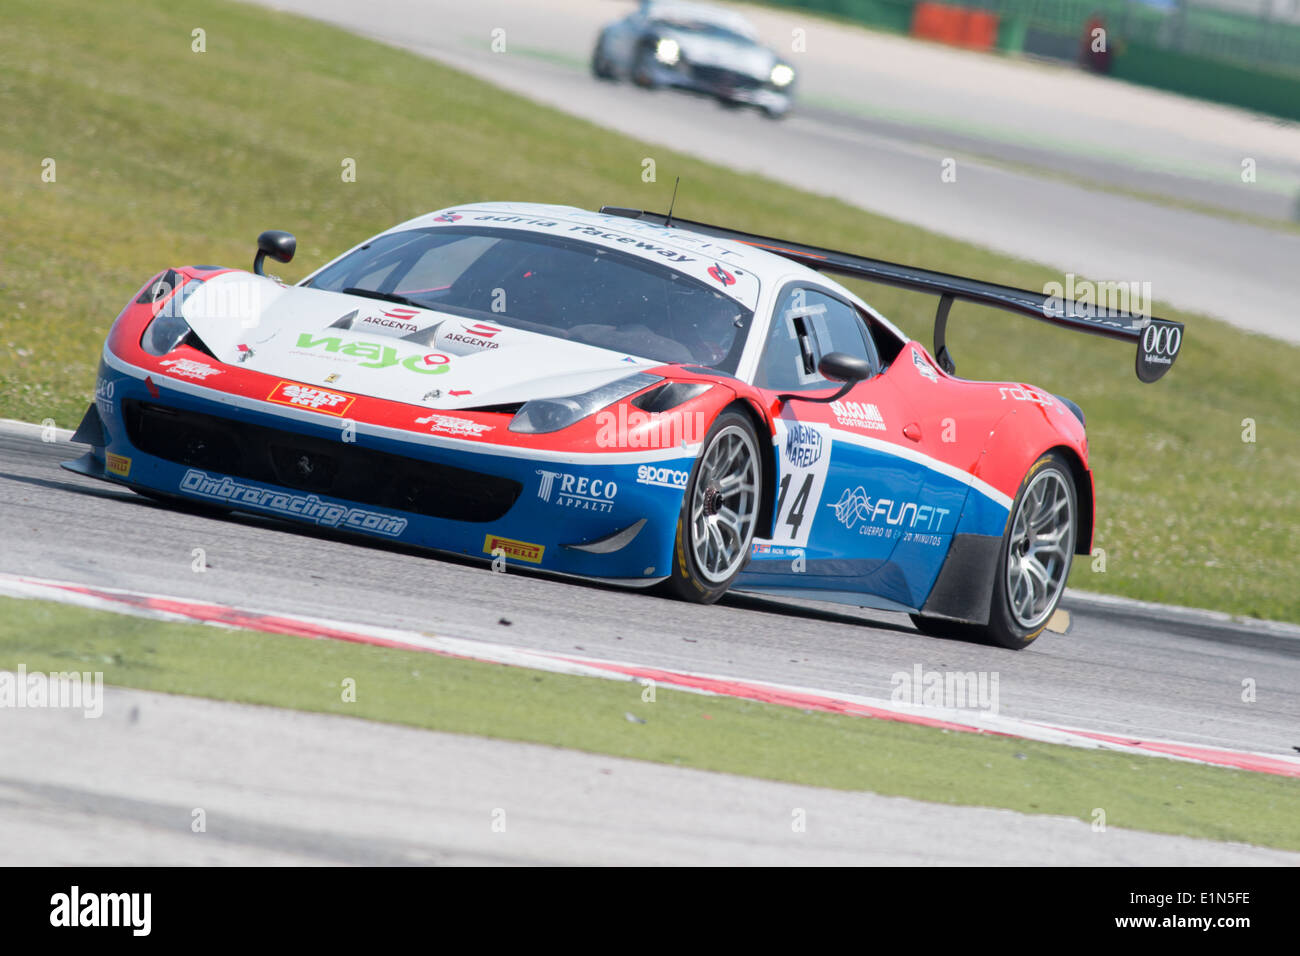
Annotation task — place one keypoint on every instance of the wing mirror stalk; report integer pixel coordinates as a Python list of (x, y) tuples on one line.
[(280, 246), (836, 367)]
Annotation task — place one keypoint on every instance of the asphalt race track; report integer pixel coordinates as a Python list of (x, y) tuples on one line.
[(881, 114), (1117, 670), (280, 787)]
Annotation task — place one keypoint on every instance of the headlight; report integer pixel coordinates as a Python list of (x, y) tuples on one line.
[(551, 414), (165, 332), (668, 52), (782, 75), (168, 328)]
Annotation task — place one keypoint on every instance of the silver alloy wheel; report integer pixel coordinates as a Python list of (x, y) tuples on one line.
[(724, 504), (1040, 549)]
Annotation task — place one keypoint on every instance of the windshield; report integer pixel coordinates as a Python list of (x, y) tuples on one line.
[(701, 27), (556, 286)]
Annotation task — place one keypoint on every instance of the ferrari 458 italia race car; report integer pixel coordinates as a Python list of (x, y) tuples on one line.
[(696, 48), (615, 396)]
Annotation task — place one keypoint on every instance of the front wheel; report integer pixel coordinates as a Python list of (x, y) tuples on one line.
[(715, 529), (643, 70), (601, 68)]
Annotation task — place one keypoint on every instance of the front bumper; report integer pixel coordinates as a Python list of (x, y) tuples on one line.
[(723, 84), (515, 506)]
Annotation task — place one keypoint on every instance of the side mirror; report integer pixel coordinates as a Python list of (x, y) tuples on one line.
[(836, 367), (843, 367), (280, 246)]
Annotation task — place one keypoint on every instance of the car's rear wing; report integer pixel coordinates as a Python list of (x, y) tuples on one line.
[(1158, 341)]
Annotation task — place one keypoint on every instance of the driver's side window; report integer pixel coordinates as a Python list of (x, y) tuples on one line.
[(806, 324)]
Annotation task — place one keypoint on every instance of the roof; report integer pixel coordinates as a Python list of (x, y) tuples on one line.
[(743, 268), (705, 13)]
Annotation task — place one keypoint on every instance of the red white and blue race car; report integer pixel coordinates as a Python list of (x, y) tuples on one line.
[(619, 397)]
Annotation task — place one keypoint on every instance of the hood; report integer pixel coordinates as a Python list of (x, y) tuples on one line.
[(385, 350), (738, 55)]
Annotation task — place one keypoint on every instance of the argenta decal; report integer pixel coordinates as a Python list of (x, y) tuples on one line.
[(377, 354), (302, 507)]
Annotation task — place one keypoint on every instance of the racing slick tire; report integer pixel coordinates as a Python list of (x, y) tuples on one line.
[(643, 69), (715, 529), (1033, 562), (601, 68)]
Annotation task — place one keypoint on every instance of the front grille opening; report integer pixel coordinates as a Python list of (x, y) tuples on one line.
[(333, 468)]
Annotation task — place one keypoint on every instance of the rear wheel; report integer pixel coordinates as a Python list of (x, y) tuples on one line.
[(1037, 551), (715, 529), (1033, 562)]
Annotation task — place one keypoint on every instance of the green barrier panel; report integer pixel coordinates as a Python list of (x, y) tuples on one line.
[(893, 15), (1221, 35), (1275, 93), (1011, 34)]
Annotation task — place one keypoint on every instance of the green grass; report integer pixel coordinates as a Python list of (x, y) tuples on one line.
[(166, 157), (732, 736)]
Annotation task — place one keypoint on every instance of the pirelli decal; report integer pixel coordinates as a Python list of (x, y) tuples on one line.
[(119, 465), (519, 550)]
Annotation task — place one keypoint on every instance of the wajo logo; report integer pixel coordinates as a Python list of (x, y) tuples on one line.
[(378, 354)]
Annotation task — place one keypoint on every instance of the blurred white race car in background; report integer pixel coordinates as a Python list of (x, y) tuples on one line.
[(698, 48)]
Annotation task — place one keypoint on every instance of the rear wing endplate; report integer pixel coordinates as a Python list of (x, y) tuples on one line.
[(1158, 341)]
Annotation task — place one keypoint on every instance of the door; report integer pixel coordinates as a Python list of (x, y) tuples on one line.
[(845, 495)]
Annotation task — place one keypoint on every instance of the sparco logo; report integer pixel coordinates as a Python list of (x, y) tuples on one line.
[(576, 491), (803, 445), (664, 477)]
